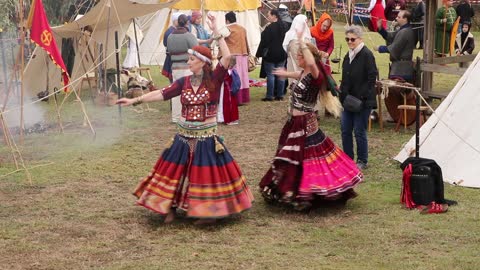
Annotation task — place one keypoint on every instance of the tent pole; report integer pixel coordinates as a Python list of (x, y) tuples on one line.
[(417, 124), (351, 9), (15, 69), (4, 61), (105, 48), (13, 76), (22, 66), (136, 41), (5, 75), (117, 59)]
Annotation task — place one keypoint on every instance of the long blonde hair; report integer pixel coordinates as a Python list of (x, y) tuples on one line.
[(327, 100)]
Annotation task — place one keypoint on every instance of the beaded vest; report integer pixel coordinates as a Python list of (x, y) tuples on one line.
[(304, 94)]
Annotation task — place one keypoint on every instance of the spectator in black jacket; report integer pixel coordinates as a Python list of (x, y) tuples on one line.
[(359, 73), (465, 12), (418, 21), (273, 55)]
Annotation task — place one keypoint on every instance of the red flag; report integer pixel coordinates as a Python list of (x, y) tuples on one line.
[(42, 35)]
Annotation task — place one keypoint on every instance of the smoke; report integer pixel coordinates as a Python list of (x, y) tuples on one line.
[(32, 113)]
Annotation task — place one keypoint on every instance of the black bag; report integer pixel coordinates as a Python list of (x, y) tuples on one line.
[(426, 181), (352, 104)]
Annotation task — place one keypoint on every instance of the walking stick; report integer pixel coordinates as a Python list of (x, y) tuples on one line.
[(444, 31)]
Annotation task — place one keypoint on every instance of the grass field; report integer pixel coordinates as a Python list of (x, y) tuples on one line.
[(79, 212)]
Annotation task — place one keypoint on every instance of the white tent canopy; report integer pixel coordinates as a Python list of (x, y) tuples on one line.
[(450, 136), (152, 51), (107, 16)]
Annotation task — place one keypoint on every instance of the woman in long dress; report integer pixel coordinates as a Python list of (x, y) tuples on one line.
[(308, 166), (196, 173), (377, 12)]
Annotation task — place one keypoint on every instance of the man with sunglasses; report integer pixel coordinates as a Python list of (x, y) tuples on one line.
[(400, 46)]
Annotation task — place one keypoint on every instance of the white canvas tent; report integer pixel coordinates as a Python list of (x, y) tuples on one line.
[(107, 16), (152, 51), (451, 136)]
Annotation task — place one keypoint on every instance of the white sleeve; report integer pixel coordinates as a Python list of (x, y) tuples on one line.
[(372, 4), (224, 31)]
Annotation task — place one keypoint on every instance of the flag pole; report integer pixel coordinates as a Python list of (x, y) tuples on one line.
[(59, 119)]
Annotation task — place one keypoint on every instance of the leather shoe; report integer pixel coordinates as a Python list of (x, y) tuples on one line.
[(267, 99), (362, 166)]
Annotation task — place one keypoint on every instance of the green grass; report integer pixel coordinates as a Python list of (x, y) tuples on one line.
[(79, 212)]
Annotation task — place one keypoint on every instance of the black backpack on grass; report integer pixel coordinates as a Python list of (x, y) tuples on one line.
[(425, 181)]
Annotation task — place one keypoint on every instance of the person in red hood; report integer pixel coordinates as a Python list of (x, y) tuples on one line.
[(322, 32)]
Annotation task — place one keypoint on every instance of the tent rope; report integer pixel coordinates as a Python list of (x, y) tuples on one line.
[(439, 117)]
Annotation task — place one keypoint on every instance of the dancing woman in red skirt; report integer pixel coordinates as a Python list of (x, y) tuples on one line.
[(196, 173), (308, 166)]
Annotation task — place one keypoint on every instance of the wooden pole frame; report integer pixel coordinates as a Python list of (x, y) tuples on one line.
[(22, 67)]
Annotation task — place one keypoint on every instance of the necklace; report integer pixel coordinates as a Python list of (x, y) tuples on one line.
[(196, 79)]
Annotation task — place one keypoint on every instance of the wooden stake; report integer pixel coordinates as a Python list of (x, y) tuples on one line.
[(84, 112), (22, 162), (40, 165), (7, 139), (54, 94), (59, 119)]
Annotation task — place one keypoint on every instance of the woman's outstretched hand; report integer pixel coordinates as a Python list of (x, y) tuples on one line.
[(281, 72), (125, 102), (212, 22)]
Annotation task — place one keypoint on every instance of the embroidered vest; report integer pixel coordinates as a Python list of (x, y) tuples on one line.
[(197, 106)]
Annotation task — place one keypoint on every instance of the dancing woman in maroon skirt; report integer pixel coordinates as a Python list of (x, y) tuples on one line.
[(196, 173), (308, 166)]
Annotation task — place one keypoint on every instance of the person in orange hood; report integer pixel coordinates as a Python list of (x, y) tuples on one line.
[(323, 34)]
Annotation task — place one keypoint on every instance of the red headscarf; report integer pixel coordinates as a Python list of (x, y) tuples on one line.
[(195, 15), (316, 30), (203, 51)]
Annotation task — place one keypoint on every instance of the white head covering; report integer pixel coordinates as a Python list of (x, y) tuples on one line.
[(298, 22), (282, 6), (175, 16)]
